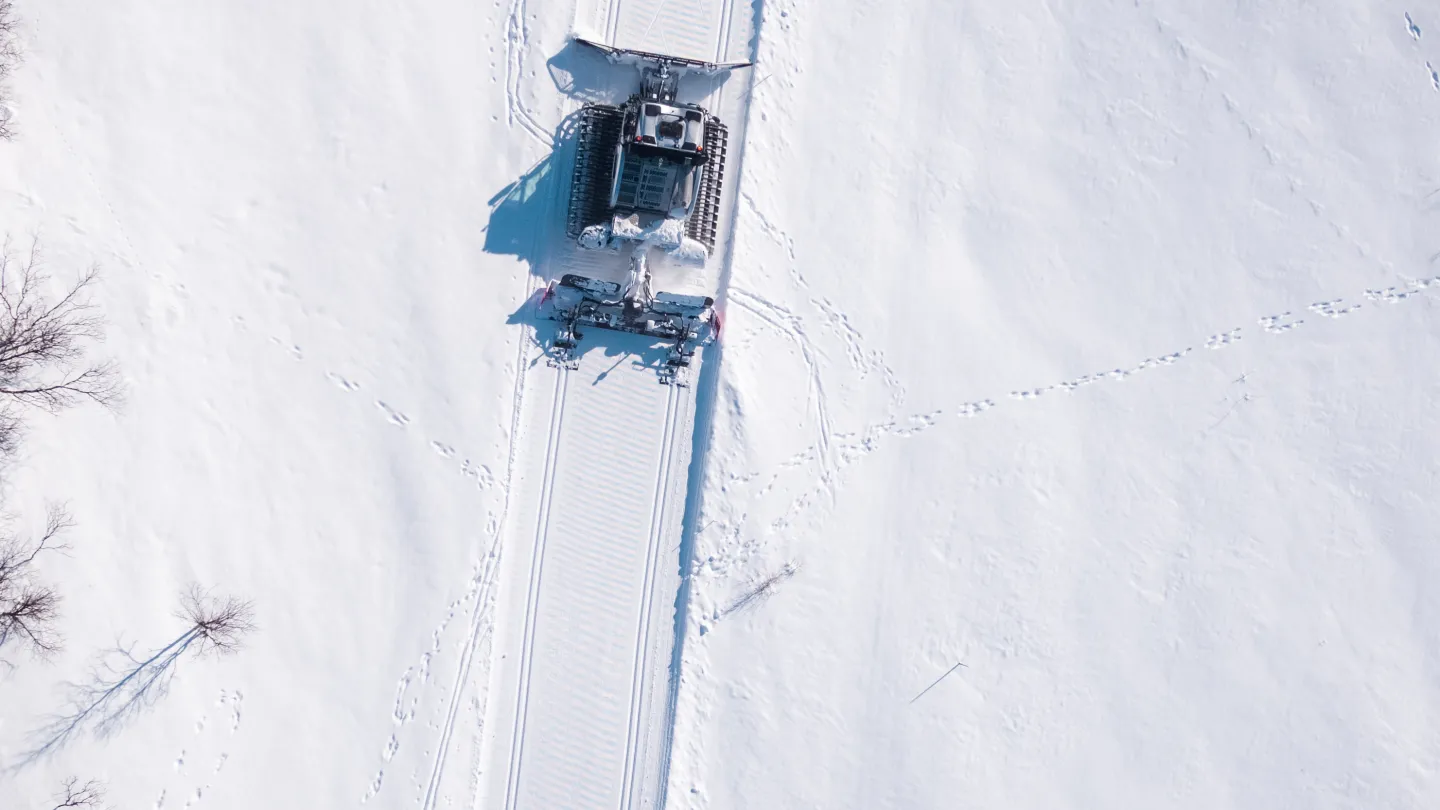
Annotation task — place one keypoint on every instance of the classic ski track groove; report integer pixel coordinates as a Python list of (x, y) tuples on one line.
[(532, 595), (642, 630)]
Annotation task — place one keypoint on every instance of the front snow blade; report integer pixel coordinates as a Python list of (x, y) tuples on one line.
[(618, 54), (685, 306)]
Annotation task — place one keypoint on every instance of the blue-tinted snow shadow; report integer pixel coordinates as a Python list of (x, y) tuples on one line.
[(523, 214), (518, 212), (587, 75), (527, 215)]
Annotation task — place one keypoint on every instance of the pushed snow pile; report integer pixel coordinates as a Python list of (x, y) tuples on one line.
[(667, 234)]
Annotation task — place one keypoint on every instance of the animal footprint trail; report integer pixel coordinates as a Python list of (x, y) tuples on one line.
[(1333, 309), (970, 409), (481, 474), (1394, 295), (229, 701), (1116, 374), (1280, 324), (732, 549), (407, 696), (232, 701), (396, 417), (1223, 339), (346, 385), (293, 350)]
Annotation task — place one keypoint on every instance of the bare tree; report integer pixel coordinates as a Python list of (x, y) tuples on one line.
[(91, 794), (217, 625), (9, 58), (28, 608), (126, 684), (43, 339)]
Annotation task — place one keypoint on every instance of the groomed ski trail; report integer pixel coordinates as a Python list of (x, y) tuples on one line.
[(581, 699)]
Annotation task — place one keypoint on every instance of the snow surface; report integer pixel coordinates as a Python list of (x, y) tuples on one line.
[(1042, 353)]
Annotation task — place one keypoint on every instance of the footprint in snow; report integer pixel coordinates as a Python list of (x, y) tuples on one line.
[(1278, 324), (976, 408), (395, 417), (1222, 340), (295, 351), (342, 382), (1333, 309)]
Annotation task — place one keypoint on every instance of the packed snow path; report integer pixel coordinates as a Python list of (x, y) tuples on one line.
[(602, 575), (579, 715)]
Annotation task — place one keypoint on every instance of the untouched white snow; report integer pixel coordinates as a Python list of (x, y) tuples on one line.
[(1185, 543), (1090, 345), (289, 203)]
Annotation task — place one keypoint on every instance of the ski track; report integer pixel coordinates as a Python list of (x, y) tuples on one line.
[(560, 759), (542, 526), (517, 46), (642, 630), (517, 42)]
